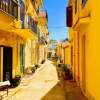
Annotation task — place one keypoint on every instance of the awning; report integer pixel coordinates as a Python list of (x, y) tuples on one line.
[(25, 33)]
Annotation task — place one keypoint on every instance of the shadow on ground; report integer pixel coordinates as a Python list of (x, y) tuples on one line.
[(65, 90)]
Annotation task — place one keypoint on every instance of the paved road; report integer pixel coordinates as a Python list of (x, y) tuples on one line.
[(64, 90), (43, 81), (45, 85)]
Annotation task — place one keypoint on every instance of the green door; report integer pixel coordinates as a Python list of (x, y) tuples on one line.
[(22, 58)]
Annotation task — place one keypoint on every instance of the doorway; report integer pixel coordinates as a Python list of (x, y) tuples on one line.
[(7, 63), (22, 58), (84, 64)]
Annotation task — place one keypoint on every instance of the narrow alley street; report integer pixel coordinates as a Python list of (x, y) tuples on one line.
[(46, 85), (64, 90), (49, 50), (42, 82)]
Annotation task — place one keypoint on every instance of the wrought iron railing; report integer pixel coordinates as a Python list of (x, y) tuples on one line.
[(35, 6), (32, 24), (43, 14), (10, 7), (22, 13), (42, 40)]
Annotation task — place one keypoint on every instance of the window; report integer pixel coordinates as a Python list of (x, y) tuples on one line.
[(22, 13), (3, 4), (32, 24), (75, 6), (83, 2), (14, 9)]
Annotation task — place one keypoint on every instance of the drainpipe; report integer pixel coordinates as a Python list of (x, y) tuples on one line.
[(78, 48), (18, 9)]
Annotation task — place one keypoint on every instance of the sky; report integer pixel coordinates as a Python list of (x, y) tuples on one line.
[(56, 10)]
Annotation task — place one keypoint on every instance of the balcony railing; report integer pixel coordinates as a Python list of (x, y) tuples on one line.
[(10, 7), (32, 24), (69, 16), (43, 14), (39, 2), (35, 6), (42, 40), (22, 13)]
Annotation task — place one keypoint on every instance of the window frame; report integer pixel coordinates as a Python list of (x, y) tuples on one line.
[(76, 6), (83, 3)]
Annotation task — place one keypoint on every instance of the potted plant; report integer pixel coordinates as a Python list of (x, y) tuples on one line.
[(33, 69), (15, 81), (68, 72), (37, 66)]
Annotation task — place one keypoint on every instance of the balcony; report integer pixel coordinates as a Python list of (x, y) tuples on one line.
[(32, 24), (44, 29), (10, 7), (28, 22), (42, 40), (43, 17), (69, 16), (39, 2), (35, 5), (32, 8), (22, 13)]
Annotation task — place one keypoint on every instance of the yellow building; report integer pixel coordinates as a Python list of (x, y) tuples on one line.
[(83, 20), (66, 53), (59, 50), (43, 34), (30, 27), (18, 36), (63, 52), (9, 40)]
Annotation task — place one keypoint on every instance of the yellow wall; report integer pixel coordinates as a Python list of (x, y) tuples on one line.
[(41, 53), (12, 35), (89, 49), (12, 41), (67, 56)]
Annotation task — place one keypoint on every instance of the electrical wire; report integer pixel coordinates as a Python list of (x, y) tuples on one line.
[(57, 27)]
